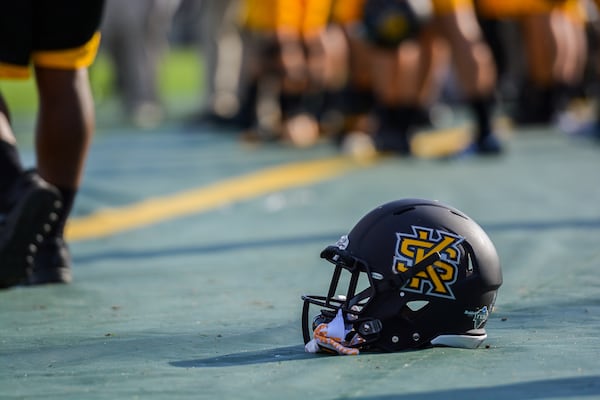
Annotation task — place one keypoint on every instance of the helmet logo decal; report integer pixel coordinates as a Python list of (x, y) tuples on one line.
[(479, 317), (436, 279)]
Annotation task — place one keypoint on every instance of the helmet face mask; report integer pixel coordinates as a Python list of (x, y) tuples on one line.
[(418, 274)]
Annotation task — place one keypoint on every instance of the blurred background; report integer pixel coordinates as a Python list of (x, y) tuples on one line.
[(182, 61), (179, 72)]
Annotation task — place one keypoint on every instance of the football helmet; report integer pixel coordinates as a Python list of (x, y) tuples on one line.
[(418, 273), (387, 23)]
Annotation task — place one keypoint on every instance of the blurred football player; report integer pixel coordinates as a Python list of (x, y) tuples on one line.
[(59, 41)]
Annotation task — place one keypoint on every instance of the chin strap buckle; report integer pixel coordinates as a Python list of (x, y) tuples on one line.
[(370, 327)]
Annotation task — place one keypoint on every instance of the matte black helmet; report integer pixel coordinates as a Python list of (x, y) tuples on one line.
[(387, 23), (418, 273)]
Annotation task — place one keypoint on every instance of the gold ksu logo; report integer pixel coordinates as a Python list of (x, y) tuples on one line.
[(437, 278)]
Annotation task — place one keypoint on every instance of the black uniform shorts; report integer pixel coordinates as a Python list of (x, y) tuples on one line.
[(51, 33)]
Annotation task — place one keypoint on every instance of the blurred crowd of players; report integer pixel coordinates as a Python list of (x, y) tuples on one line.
[(372, 72), (302, 71)]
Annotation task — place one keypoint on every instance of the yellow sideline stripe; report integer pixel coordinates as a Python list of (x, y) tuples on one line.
[(153, 210)]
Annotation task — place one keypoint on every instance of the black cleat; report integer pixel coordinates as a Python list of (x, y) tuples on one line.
[(489, 146), (52, 263), (30, 211), (396, 143)]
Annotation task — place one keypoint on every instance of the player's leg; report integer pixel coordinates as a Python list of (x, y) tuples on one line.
[(65, 123), (475, 68), (27, 203), (403, 70), (396, 84), (64, 131)]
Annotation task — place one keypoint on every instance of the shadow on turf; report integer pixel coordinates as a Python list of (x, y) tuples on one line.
[(324, 238), (279, 354), (579, 386)]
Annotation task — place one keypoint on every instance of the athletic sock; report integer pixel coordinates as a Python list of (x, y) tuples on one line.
[(246, 116), (407, 117), (68, 199), (482, 111), (536, 104), (395, 123), (291, 104), (356, 101)]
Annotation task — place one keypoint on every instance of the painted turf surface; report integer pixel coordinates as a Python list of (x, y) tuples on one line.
[(191, 286)]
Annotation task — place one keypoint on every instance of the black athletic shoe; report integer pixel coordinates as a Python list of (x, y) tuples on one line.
[(29, 210), (396, 143), (490, 146), (52, 263)]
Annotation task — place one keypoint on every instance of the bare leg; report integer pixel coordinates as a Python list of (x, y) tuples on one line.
[(65, 125)]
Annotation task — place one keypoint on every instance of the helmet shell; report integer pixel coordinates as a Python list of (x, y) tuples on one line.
[(454, 295)]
